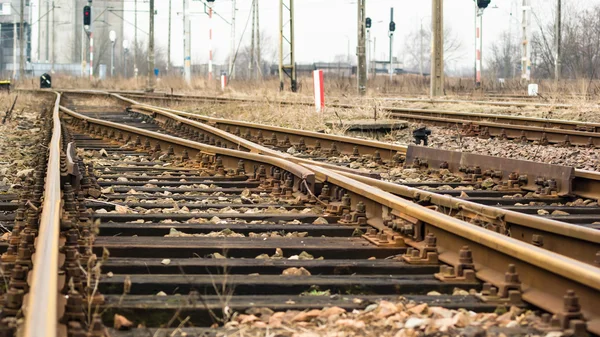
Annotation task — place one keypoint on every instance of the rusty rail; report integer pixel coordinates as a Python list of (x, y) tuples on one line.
[(41, 315), (300, 173), (585, 184), (545, 275), (522, 226)]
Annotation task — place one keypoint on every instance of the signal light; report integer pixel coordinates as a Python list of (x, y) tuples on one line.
[(87, 16), (392, 26), (483, 3), (368, 23)]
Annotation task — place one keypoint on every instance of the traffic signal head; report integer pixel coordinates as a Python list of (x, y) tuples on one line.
[(87, 16), (392, 26), (483, 3), (368, 22)]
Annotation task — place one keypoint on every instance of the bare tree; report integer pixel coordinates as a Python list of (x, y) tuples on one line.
[(505, 56), (580, 43), (415, 50)]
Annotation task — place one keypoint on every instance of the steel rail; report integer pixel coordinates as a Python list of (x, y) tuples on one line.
[(545, 275), (41, 315), (179, 144), (577, 242), (522, 226), (586, 183)]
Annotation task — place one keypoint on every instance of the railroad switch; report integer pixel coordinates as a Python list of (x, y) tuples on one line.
[(421, 135)]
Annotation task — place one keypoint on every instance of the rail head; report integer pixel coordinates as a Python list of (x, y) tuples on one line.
[(493, 252), (41, 315)]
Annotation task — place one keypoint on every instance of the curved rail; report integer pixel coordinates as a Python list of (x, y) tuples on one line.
[(522, 226), (41, 317), (586, 183)]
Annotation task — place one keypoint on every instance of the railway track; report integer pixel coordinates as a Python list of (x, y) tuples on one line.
[(525, 129), (126, 185), (466, 192)]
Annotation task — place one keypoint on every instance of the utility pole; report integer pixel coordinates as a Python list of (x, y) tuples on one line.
[(361, 49), (169, 43), (252, 45), (151, 49), (526, 51), (47, 32), (437, 51), (391, 34), (232, 48), (53, 39), (289, 69), (22, 42), (210, 50), (421, 49), (258, 54), (478, 45), (558, 33), (15, 68), (135, 40), (187, 73)]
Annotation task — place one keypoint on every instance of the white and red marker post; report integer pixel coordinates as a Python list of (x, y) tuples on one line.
[(223, 82), (319, 91)]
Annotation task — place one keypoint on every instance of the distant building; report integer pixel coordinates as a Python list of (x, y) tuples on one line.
[(10, 29), (63, 29)]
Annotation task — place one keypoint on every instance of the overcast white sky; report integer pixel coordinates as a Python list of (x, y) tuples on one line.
[(324, 28)]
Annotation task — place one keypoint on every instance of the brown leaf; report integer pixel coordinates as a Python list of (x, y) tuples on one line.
[(122, 323)]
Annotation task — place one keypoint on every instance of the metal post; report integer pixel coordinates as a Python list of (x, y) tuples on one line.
[(151, 49), (232, 48), (526, 51), (258, 54), (125, 62), (47, 31), (481, 49), (475, 77), (478, 51), (186, 47), (82, 50), (252, 45), (15, 67), (22, 42), (437, 51), (210, 50), (391, 44), (289, 69), (91, 54), (53, 39), (361, 49), (135, 39), (421, 49), (558, 33), (169, 43), (112, 60)]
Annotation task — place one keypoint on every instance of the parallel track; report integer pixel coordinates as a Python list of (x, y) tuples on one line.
[(219, 170)]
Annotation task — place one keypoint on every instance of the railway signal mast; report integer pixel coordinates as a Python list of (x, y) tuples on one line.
[(87, 25), (480, 6)]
